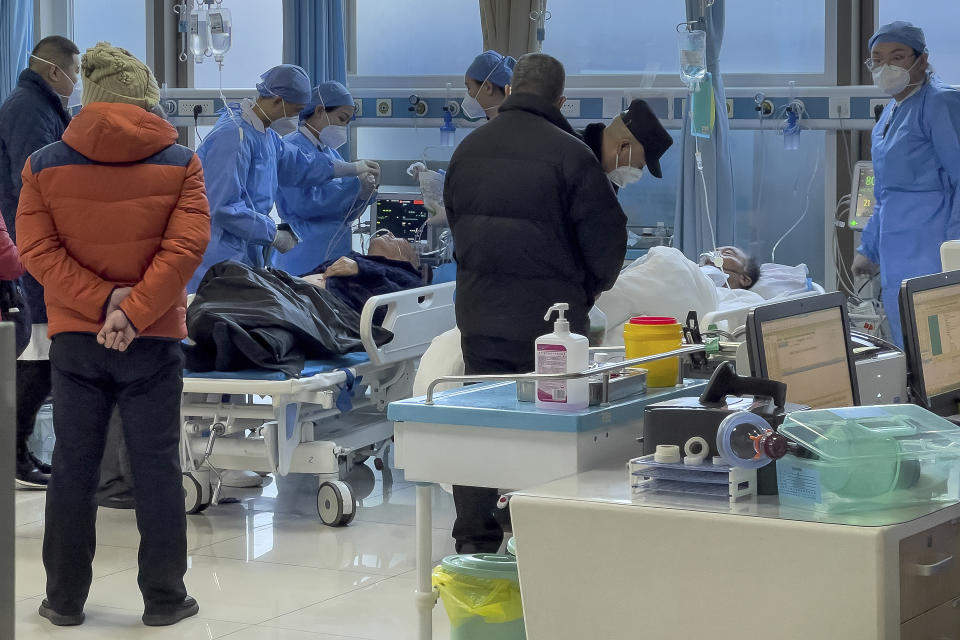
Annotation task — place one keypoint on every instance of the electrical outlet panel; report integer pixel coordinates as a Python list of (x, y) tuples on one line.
[(839, 107), (874, 103), (384, 107), (571, 109), (185, 107), (358, 107), (729, 107)]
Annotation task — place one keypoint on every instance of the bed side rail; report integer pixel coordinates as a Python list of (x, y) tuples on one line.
[(415, 316)]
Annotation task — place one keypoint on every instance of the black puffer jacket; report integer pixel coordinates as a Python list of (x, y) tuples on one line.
[(535, 222)]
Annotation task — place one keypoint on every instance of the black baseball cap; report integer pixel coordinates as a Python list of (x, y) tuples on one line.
[(646, 128)]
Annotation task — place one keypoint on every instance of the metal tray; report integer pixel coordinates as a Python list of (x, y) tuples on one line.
[(630, 382)]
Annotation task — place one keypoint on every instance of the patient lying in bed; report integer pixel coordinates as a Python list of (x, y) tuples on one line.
[(663, 283), (391, 264)]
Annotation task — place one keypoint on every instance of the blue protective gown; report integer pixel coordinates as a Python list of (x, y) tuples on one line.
[(321, 214), (242, 176), (916, 161)]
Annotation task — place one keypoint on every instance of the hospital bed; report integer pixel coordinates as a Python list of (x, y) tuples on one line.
[(330, 418), (734, 317)]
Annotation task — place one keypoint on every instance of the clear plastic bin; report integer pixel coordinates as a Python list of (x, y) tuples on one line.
[(869, 458)]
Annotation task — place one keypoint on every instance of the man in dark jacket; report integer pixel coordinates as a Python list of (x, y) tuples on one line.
[(535, 221), (33, 116)]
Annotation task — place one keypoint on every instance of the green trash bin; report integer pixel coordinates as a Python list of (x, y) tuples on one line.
[(481, 594)]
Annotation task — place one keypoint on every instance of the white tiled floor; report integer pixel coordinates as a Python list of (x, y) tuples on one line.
[(262, 569)]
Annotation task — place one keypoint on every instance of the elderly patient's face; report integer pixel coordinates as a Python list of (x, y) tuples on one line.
[(735, 266)]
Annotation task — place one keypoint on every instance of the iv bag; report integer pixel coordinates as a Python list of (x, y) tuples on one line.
[(221, 28), (693, 56), (199, 32)]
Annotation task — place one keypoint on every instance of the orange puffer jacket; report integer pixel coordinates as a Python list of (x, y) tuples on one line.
[(115, 203)]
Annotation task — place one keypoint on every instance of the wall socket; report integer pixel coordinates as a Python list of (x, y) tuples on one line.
[(358, 107), (384, 107), (571, 109), (839, 108), (729, 107), (185, 107)]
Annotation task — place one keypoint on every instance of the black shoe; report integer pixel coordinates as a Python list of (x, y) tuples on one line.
[(42, 466), (59, 619), (28, 476), (118, 502), (186, 609)]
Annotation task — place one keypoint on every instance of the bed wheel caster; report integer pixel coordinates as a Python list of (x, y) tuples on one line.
[(334, 499), (195, 499), (378, 464)]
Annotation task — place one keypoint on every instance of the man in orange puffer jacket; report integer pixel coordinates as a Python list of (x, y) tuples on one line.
[(112, 221)]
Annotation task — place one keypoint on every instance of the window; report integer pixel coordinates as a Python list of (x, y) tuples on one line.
[(438, 37), (616, 37), (122, 24), (771, 187), (257, 45), (940, 32), (405, 143)]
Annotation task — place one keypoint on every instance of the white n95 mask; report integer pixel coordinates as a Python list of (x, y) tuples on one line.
[(333, 135), (283, 126), (622, 176), (892, 79), (472, 108)]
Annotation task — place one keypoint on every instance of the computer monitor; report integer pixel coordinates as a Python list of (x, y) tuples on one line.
[(861, 208), (805, 343), (403, 214), (930, 316)]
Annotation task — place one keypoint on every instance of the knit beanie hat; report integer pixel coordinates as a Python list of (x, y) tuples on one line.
[(112, 74)]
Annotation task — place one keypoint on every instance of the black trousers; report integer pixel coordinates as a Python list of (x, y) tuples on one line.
[(145, 383), (476, 529), (33, 388), (116, 474)]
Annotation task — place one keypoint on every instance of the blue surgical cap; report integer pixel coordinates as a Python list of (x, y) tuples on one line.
[(901, 33), (493, 67), (287, 81), (329, 95)]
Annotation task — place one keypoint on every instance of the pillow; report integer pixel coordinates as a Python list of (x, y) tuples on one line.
[(779, 279)]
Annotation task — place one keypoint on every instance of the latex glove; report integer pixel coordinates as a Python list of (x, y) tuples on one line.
[(284, 241), (352, 169), (117, 332), (370, 168), (368, 184), (343, 267), (863, 266)]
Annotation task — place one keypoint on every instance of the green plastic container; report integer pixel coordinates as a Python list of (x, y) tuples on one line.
[(481, 594), (869, 458)]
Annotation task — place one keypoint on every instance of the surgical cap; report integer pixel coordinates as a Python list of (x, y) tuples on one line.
[(329, 95), (492, 66), (901, 33), (287, 81)]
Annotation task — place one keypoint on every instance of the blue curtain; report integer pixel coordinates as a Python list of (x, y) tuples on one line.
[(16, 41), (692, 233), (313, 37)]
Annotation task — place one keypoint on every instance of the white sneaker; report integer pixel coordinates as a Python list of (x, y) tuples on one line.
[(241, 479)]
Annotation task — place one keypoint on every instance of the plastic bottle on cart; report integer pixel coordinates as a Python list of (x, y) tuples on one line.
[(562, 352)]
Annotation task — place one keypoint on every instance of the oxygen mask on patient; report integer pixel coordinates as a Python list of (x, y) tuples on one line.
[(711, 264)]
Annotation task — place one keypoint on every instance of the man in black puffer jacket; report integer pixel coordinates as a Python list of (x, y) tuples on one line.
[(535, 222)]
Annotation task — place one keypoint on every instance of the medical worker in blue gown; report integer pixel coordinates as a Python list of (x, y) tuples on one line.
[(245, 161), (916, 160), (322, 214)]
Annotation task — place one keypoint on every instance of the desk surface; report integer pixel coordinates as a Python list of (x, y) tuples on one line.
[(496, 405), (610, 486)]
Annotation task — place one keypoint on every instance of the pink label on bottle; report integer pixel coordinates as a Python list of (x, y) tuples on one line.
[(552, 358)]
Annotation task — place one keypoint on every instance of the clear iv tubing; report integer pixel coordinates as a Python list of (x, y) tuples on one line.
[(806, 208), (346, 225), (706, 199)]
